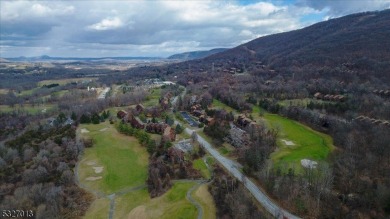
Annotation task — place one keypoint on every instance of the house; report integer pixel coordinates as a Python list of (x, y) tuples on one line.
[(168, 134), (243, 121), (318, 95), (121, 114), (157, 128), (140, 108), (197, 113), (137, 123)]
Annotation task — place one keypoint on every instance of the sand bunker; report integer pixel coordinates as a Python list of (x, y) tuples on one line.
[(91, 163), (288, 143), (93, 178), (98, 169), (309, 163), (104, 129), (138, 213), (84, 130)]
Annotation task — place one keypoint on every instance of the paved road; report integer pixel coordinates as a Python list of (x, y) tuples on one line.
[(233, 168)]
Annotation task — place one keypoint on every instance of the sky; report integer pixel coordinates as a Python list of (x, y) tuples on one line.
[(154, 28)]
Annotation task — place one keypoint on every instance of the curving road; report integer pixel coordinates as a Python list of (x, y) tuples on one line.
[(233, 168)]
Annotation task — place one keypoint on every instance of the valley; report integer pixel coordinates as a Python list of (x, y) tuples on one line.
[(289, 125)]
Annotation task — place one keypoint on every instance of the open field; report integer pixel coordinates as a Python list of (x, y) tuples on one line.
[(64, 81), (28, 108), (4, 91), (126, 203), (203, 196), (123, 160)]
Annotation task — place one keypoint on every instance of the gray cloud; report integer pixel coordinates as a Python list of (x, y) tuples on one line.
[(152, 28)]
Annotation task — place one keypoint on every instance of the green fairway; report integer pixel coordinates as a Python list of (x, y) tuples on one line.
[(173, 204), (201, 166), (297, 141), (98, 209), (203, 196), (123, 160), (219, 105), (153, 97)]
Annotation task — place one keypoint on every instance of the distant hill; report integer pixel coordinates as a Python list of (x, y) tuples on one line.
[(3, 60), (49, 58), (196, 54), (360, 41)]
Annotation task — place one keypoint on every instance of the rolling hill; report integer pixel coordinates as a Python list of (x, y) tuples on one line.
[(196, 54), (359, 41)]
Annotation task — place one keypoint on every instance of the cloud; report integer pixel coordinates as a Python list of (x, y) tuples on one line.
[(107, 24), (337, 8), (152, 28)]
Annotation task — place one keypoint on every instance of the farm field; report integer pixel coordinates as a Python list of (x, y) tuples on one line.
[(64, 81)]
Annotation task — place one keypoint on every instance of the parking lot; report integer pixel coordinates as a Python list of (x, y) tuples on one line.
[(188, 118)]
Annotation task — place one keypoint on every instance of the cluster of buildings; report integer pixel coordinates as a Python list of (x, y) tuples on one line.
[(373, 121), (165, 100), (382, 92), (196, 110), (168, 134), (329, 97)]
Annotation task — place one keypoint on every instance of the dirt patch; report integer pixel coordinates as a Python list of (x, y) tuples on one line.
[(98, 169), (138, 213), (84, 130), (288, 143), (103, 129), (93, 178)]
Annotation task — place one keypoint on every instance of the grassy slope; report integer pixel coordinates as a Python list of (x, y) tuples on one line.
[(124, 160), (308, 142), (219, 105), (201, 166), (172, 204), (203, 196), (153, 97), (98, 209)]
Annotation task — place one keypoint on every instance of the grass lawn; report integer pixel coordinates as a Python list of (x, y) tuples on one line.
[(219, 105), (173, 204), (98, 209), (307, 143), (203, 196), (201, 166), (123, 159)]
